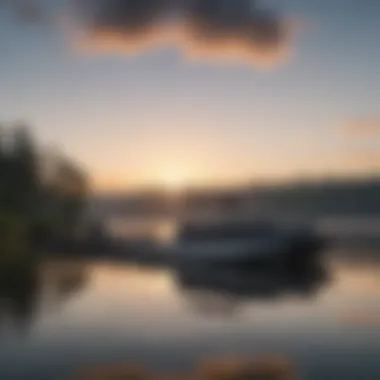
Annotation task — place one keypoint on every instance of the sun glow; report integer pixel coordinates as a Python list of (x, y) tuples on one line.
[(173, 180)]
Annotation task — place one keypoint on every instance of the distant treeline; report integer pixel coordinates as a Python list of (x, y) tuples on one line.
[(332, 197), (42, 194), (342, 197)]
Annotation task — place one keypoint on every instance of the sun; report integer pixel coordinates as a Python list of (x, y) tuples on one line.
[(173, 180)]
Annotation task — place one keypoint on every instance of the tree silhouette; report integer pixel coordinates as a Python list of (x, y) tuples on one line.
[(41, 196)]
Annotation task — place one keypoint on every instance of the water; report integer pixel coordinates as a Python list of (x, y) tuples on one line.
[(79, 314)]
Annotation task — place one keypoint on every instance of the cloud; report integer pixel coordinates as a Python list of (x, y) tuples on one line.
[(363, 127), (236, 30), (215, 29)]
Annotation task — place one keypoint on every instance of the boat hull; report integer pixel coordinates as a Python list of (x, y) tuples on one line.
[(244, 252)]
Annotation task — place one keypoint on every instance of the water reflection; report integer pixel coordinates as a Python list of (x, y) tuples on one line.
[(207, 289), (219, 368), (18, 296), (75, 315), (220, 289), (28, 289), (62, 279)]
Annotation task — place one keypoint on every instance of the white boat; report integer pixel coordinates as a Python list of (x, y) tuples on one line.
[(241, 242)]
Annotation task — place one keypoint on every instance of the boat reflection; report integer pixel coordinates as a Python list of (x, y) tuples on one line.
[(221, 289)]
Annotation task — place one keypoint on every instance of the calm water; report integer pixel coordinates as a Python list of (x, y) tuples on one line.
[(326, 318)]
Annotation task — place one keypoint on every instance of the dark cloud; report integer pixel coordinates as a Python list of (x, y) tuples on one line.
[(211, 20), (120, 25), (218, 29), (124, 16), (236, 30), (225, 29)]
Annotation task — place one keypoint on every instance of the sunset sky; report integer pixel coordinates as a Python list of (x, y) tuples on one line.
[(140, 102)]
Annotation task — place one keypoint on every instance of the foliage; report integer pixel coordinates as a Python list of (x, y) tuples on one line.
[(42, 196)]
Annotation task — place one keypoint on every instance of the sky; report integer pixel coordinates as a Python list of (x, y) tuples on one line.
[(169, 93)]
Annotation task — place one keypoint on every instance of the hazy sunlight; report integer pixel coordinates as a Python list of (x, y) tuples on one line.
[(173, 180)]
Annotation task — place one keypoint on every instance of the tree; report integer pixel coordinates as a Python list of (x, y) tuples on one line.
[(64, 192), (36, 204)]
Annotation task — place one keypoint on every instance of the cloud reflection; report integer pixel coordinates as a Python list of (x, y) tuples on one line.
[(222, 368)]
